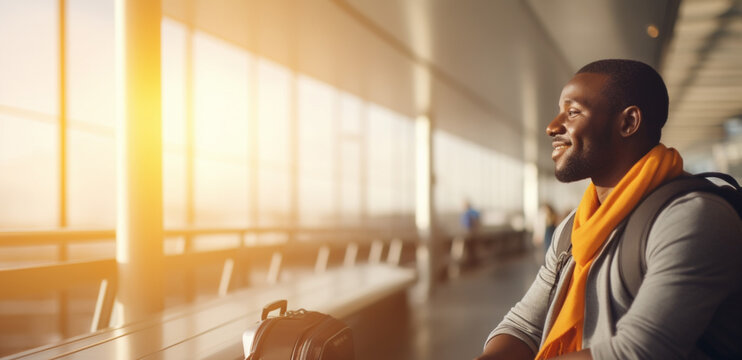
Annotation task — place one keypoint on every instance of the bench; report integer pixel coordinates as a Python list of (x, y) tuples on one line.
[(486, 243), (214, 329), (250, 260)]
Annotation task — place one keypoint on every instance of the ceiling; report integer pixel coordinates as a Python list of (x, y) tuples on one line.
[(493, 48), (703, 71), (698, 49), (498, 66)]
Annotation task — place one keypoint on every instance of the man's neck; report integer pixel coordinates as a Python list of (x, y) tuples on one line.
[(619, 167), (603, 192), (605, 184)]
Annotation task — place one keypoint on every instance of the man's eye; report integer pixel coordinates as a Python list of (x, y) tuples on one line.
[(572, 112)]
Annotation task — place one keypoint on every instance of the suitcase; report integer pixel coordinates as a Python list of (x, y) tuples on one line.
[(297, 335)]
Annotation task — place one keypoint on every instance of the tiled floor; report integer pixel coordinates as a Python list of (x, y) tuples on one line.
[(457, 320)]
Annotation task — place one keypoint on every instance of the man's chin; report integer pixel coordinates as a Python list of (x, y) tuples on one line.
[(568, 175)]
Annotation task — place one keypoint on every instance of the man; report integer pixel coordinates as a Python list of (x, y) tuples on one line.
[(689, 304)]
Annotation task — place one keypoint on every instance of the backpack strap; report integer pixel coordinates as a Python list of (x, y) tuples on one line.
[(726, 177), (564, 243), (633, 242), (732, 192), (563, 250)]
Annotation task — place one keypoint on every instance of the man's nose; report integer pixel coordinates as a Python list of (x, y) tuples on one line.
[(556, 126)]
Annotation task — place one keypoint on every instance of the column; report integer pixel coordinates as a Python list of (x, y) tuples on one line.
[(139, 233), (531, 134), (424, 208)]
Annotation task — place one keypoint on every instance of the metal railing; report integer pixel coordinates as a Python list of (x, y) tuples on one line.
[(62, 275)]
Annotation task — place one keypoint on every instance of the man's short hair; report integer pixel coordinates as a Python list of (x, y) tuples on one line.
[(634, 83)]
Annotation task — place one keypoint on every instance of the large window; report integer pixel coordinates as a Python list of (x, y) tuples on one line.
[(221, 132), (91, 157), (29, 114), (465, 171), (175, 45), (318, 118), (350, 201), (274, 148), (225, 163), (390, 165)]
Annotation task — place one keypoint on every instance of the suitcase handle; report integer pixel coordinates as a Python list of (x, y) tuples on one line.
[(280, 304)]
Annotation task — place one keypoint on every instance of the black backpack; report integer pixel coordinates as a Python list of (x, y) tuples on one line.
[(633, 242)]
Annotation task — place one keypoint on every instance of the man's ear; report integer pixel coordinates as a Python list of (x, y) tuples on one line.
[(629, 120)]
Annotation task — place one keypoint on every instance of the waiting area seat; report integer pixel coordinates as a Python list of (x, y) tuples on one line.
[(213, 330)]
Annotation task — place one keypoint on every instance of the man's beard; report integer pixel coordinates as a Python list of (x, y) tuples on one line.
[(576, 168)]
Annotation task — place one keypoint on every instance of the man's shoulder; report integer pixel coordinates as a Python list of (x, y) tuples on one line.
[(699, 204), (706, 217)]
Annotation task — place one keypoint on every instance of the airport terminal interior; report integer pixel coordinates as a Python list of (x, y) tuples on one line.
[(170, 167)]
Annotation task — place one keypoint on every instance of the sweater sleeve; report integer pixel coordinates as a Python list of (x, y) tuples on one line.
[(692, 253), (526, 319)]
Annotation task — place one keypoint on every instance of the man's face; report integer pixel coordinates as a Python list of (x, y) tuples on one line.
[(582, 132)]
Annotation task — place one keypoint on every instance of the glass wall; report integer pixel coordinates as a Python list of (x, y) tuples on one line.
[(228, 117), (29, 114), (236, 126), (465, 172), (351, 172), (174, 51), (562, 197), (91, 168), (390, 167), (274, 152), (246, 142), (220, 146), (317, 124)]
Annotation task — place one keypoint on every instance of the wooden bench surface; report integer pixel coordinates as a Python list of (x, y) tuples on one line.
[(214, 329)]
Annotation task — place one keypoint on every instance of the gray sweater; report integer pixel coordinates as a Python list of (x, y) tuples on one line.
[(689, 305)]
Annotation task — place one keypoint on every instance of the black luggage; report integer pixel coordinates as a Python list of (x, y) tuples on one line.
[(297, 335)]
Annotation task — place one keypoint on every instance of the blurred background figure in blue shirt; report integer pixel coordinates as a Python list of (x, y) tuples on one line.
[(470, 218)]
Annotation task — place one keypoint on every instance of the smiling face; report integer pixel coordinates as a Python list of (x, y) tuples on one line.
[(583, 133)]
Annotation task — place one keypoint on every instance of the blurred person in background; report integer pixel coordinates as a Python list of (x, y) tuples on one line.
[(471, 222), (470, 219), (546, 223)]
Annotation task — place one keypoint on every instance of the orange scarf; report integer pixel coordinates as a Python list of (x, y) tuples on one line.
[(593, 223)]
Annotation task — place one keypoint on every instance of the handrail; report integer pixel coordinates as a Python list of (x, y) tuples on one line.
[(489, 230), (53, 237), (38, 278), (63, 236), (30, 279), (26, 280), (35, 279)]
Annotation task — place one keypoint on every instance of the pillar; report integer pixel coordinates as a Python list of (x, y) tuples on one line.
[(139, 228)]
